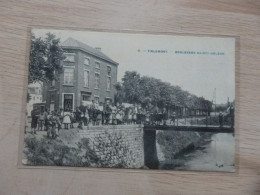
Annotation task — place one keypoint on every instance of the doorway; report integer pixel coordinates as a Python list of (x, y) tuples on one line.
[(68, 102)]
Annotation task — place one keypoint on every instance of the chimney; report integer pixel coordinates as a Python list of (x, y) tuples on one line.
[(98, 48)]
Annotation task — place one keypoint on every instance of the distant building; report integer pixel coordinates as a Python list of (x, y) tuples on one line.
[(88, 75), (35, 93)]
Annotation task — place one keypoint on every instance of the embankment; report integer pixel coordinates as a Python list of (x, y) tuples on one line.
[(174, 143)]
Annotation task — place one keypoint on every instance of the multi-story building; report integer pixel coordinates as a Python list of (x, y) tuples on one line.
[(88, 74), (35, 93)]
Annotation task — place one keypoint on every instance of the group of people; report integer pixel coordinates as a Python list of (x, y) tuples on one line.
[(46, 121), (111, 114), (103, 114), (84, 115)]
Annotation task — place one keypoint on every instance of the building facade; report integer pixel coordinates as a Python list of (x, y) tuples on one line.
[(35, 93), (87, 75)]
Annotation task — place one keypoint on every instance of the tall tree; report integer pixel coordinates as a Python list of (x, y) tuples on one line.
[(146, 90), (131, 85), (120, 95), (45, 57)]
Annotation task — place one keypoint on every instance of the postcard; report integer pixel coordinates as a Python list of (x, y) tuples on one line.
[(130, 100)]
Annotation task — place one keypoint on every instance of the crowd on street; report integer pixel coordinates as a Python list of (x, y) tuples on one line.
[(94, 114)]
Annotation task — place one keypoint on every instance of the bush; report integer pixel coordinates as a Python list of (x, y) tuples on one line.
[(52, 152), (56, 153)]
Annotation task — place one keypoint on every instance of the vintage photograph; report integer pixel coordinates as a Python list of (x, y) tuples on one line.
[(130, 100)]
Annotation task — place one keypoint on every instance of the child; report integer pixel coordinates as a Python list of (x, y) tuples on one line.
[(66, 120), (72, 119)]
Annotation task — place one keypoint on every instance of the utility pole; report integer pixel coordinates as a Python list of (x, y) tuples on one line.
[(214, 100)]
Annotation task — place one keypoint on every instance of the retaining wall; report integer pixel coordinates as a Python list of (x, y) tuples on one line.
[(117, 145)]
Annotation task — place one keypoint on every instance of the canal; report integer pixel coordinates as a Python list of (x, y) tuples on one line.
[(215, 153)]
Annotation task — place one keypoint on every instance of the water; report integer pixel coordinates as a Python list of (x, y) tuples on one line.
[(218, 154)]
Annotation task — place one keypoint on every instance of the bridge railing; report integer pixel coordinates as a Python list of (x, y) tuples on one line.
[(163, 119)]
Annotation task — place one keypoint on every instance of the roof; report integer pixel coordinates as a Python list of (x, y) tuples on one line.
[(73, 43)]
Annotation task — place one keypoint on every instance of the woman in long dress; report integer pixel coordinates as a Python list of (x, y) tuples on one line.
[(113, 114), (130, 116)]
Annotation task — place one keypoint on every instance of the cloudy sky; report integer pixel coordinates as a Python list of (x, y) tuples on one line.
[(207, 64)]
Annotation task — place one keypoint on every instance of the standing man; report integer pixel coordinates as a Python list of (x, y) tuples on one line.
[(34, 120), (41, 121), (52, 120), (107, 113), (92, 108), (82, 109), (45, 116), (231, 113), (100, 114)]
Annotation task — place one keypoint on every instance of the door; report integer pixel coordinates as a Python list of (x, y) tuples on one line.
[(68, 102)]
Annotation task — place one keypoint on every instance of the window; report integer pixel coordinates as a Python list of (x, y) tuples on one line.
[(86, 61), (69, 57), (96, 98), (68, 76), (86, 78), (108, 100), (53, 83), (52, 97), (109, 70), (108, 78), (108, 83), (86, 97), (97, 65), (96, 80)]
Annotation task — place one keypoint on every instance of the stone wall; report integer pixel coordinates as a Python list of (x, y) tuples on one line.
[(172, 143), (117, 146)]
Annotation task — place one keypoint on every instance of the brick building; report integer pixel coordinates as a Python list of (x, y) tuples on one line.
[(87, 75)]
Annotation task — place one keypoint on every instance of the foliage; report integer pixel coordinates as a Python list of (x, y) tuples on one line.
[(120, 95), (45, 57), (55, 152), (144, 90), (131, 85)]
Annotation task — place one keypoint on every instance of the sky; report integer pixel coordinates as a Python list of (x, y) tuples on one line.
[(196, 64)]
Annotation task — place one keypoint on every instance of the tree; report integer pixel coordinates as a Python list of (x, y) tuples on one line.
[(120, 95), (131, 85), (148, 90), (45, 57)]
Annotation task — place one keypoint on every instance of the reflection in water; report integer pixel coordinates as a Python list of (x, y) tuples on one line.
[(216, 155)]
